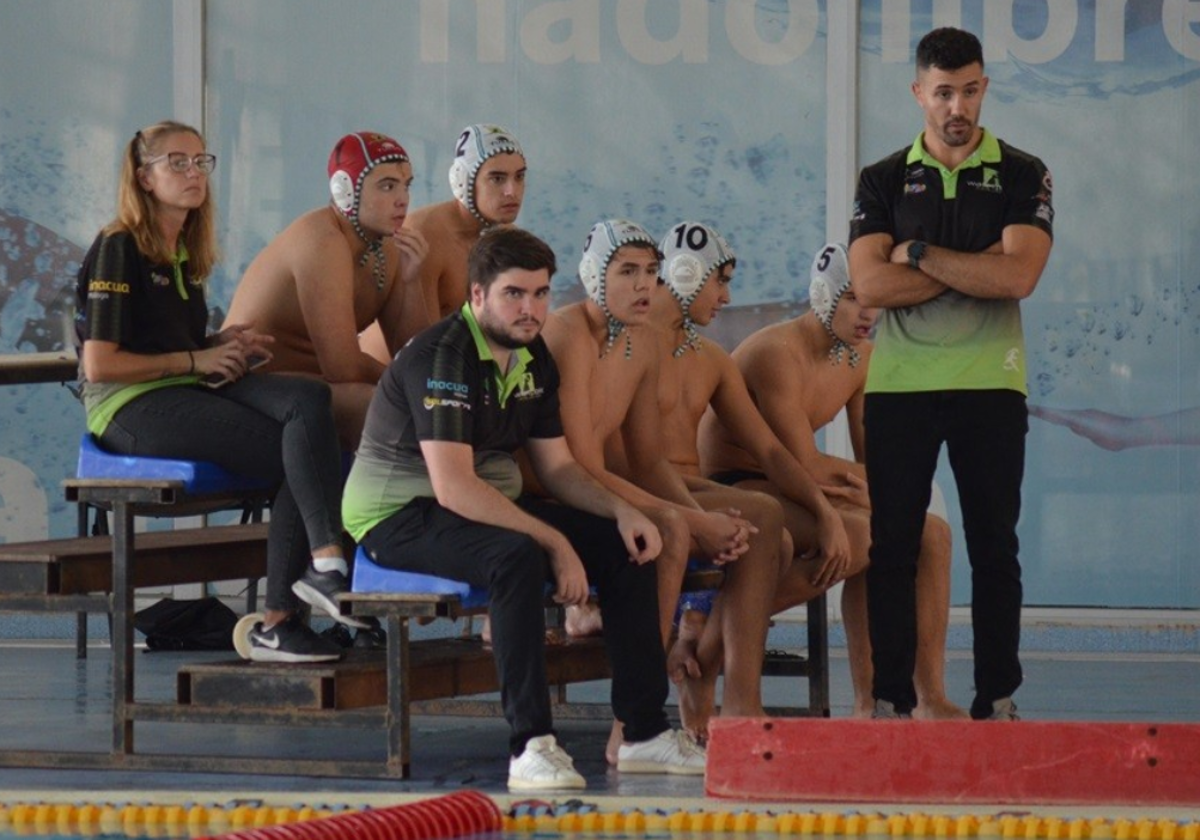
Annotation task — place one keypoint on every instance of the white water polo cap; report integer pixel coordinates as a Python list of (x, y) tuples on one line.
[(829, 280), (691, 252), (602, 243), (475, 145)]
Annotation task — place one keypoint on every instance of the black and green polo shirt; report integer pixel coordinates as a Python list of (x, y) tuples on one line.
[(954, 341), (142, 305), (446, 386)]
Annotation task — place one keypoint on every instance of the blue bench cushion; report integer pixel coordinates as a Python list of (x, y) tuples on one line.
[(369, 576), (700, 600), (198, 477)]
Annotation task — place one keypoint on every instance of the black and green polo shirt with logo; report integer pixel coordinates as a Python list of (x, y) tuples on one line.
[(445, 385), (142, 305), (954, 341)]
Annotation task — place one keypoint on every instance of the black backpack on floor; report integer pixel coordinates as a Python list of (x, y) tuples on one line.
[(201, 624)]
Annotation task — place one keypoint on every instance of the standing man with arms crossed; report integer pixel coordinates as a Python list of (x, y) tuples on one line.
[(435, 488), (336, 269), (947, 236)]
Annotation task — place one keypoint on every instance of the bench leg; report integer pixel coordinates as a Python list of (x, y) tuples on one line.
[(82, 529), (122, 628), (818, 658), (399, 721)]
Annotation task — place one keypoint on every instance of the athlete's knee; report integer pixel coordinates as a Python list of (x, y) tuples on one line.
[(762, 509), (858, 532), (675, 534)]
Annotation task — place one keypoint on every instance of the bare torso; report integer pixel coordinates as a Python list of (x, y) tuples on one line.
[(609, 379), (790, 360), (450, 234), (686, 386), (313, 267)]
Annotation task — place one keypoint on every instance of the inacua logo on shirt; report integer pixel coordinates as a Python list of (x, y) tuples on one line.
[(460, 388)]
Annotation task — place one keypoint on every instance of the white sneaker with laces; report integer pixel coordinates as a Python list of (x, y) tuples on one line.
[(544, 765), (671, 752)]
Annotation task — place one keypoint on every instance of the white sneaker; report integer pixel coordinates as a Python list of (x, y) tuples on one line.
[(543, 766), (671, 752)]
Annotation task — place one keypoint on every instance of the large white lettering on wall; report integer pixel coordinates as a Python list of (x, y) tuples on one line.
[(559, 31), (1064, 18)]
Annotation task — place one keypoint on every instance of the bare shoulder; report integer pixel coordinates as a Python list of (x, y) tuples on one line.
[(767, 342), (431, 220), (568, 335), (314, 234)]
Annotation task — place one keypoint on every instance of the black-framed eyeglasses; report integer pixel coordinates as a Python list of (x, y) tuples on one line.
[(180, 162)]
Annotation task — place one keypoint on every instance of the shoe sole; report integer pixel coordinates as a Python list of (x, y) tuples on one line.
[(261, 654), (320, 601), (525, 785), (654, 768)]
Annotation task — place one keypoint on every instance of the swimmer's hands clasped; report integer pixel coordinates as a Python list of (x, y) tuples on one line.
[(724, 535)]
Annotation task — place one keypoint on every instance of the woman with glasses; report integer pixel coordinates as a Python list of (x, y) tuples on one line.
[(156, 383)]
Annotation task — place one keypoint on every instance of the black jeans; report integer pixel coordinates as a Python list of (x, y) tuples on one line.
[(275, 428), (426, 537), (984, 433)]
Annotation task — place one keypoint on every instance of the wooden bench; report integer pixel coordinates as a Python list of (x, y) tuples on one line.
[(364, 691), (75, 574), (40, 577)]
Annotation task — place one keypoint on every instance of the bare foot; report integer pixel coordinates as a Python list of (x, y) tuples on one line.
[(697, 702), (864, 707), (615, 739), (583, 621), (682, 662), (939, 709)]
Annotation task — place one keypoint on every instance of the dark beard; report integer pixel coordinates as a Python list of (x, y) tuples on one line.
[(503, 339)]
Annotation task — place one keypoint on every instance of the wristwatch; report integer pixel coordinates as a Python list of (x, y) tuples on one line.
[(916, 252)]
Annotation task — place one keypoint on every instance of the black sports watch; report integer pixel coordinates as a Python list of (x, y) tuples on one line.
[(916, 252)]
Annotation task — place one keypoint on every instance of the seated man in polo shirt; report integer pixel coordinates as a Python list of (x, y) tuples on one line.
[(435, 489)]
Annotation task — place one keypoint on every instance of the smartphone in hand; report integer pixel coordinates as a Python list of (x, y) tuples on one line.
[(217, 379)]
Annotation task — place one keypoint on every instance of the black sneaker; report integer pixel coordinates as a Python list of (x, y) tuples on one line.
[(339, 634), (291, 640), (320, 590), (370, 638)]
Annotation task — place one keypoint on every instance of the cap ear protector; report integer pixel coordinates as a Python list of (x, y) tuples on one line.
[(591, 274), (341, 188), (686, 275), (460, 179), (474, 147)]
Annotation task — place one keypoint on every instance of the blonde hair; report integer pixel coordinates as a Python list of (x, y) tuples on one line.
[(137, 209)]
